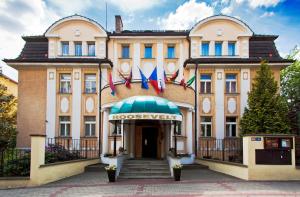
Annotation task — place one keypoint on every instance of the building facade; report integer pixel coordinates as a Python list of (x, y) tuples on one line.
[(71, 83)]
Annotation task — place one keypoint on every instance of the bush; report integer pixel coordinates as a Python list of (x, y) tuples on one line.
[(56, 153), (19, 166)]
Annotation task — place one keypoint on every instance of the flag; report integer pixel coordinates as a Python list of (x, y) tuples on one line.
[(190, 81), (144, 84), (127, 80), (174, 76), (111, 85), (154, 80), (163, 82)]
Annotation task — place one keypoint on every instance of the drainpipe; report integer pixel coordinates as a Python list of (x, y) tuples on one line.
[(196, 108), (100, 123)]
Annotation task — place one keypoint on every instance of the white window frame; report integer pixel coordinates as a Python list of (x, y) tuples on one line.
[(62, 43), (205, 83), (62, 81), (89, 44), (205, 126), (90, 81), (65, 122), (230, 83), (230, 127), (90, 123)]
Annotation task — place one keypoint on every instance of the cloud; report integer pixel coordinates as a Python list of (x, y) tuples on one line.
[(186, 15), (227, 10), (262, 3), (65, 7), (135, 5), (267, 14)]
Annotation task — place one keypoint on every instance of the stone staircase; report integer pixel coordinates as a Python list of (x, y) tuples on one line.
[(145, 169)]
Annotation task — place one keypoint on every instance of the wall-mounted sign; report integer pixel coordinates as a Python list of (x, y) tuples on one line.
[(256, 139), (145, 116)]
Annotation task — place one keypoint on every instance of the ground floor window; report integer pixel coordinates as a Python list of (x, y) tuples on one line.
[(90, 125), (205, 126), (231, 126), (65, 125)]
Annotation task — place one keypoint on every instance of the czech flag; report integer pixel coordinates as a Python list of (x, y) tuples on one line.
[(111, 85), (144, 80), (154, 80)]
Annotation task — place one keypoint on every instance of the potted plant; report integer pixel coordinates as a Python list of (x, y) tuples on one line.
[(177, 171), (111, 172)]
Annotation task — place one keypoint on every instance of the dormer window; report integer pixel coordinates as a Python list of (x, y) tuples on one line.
[(231, 48), (78, 49), (205, 49), (148, 51), (171, 51), (218, 49), (65, 48), (91, 49)]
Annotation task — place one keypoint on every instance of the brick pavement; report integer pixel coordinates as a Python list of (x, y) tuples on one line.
[(194, 183)]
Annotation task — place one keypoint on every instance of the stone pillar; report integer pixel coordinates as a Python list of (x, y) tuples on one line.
[(105, 132), (171, 132), (126, 138), (189, 131), (37, 156), (132, 138)]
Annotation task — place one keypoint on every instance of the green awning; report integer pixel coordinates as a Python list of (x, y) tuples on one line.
[(145, 107)]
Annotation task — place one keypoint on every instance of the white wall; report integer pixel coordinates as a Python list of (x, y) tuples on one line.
[(219, 100), (51, 102)]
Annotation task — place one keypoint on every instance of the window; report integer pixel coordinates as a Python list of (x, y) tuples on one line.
[(205, 49), (178, 128), (91, 49), (218, 48), (125, 51), (205, 126), (205, 83), (231, 83), (65, 48), (231, 48), (65, 83), (90, 83), (148, 51), (171, 51), (65, 124), (78, 49), (230, 126), (90, 125)]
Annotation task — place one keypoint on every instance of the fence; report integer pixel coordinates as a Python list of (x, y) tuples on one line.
[(297, 150), (227, 149), (14, 162), (66, 149)]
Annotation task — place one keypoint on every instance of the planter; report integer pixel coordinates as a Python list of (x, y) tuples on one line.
[(177, 173), (111, 175)]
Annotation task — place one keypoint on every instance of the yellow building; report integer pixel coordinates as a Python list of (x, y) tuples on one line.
[(12, 85), (65, 88)]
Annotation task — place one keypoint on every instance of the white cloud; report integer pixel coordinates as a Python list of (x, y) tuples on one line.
[(267, 14), (186, 15), (263, 3), (135, 5), (227, 10), (66, 7)]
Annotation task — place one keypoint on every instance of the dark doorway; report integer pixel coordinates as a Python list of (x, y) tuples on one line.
[(149, 142)]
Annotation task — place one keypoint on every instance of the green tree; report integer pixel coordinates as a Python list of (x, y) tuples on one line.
[(7, 118), (267, 110), (290, 89)]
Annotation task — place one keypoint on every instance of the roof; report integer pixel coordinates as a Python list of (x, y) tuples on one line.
[(145, 104), (150, 33)]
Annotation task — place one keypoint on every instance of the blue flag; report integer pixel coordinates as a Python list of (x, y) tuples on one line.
[(144, 81)]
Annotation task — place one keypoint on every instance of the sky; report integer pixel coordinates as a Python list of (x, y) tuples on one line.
[(33, 17)]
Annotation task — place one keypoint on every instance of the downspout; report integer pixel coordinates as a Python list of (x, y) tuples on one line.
[(100, 122), (196, 108)]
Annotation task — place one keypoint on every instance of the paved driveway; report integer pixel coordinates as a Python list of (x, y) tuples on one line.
[(194, 183)]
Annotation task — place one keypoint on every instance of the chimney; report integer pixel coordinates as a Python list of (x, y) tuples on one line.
[(119, 24)]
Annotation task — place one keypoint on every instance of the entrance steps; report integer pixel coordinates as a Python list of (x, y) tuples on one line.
[(145, 169)]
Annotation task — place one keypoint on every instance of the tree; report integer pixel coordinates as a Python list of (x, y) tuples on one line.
[(7, 119), (290, 89), (267, 110)]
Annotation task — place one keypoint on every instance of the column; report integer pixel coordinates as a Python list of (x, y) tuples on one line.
[(167, 138), (244, 88), (136, 61), (126, 138), (76, 103), (122, 134), (132, 138), (105, 132), (171, 131), (189, 131), (219, 99), (51, 102)]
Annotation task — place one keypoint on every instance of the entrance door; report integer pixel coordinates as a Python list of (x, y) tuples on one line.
[(149, 142)]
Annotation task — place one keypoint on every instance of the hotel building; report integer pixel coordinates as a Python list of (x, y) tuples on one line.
[(65, 90)]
